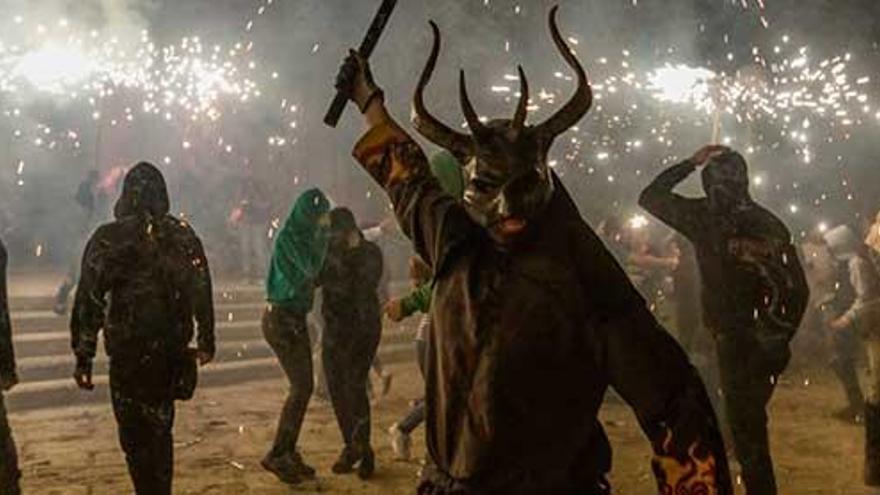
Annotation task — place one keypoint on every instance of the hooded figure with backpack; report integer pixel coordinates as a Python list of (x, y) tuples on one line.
[(754, 292), (146, 284)]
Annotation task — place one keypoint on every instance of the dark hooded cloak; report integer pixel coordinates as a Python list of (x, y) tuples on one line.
[(145, 279), (7, 355)]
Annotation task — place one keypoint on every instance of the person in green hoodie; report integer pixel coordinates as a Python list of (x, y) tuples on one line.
[(297, 260)]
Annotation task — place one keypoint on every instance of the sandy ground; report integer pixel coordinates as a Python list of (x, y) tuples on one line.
[(221, 435)]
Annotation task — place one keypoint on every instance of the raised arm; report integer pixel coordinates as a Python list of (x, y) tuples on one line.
[(432, 219), (681, 213), (8, 376)]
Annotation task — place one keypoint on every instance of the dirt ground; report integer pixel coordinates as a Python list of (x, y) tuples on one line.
[(221, 435)]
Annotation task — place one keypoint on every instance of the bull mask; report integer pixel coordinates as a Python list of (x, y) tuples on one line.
[(508, 180)]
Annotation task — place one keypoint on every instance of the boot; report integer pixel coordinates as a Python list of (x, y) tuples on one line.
[(347, 459), (368, 464), (300, 467), (872, 444), (283, 469)]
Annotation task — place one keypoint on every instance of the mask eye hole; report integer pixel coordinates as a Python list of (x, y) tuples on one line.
[(482, 186)]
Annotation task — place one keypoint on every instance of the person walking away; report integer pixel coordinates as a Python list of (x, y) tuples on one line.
[(297, 260), (353, 316), (146, 283), (9, 473), (754, 292), (858, 312)]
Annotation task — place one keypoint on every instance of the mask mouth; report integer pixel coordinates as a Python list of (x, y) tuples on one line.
[(510, 227)]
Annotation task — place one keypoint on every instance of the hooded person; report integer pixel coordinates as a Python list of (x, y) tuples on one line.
[(146, 284), (856, 309), (297, 261), (754, 292), (533, 319), (353, 318), (9, 473)]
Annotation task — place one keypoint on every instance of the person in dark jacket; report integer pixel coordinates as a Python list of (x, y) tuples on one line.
[(754, 292), (526, 302), (146, 283), (353, 317), (297, 260), (9, 473)]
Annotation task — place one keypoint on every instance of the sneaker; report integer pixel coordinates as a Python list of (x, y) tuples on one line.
[(300, 467), (282, 468), (345, 463), (400, 443), (367, 466)]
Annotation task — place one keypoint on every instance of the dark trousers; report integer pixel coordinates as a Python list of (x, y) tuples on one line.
[(747, 387), (845, 347), (416, 414), (145, 437), (349, 349), (9, 473), (287, 333)]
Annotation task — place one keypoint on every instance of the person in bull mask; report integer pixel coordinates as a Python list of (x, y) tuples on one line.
[(526, 302), (146, 283), (353, 317), (9, 473), (297, 260), (754, 292)]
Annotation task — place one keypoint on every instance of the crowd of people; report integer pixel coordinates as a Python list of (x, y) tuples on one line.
[(519, 299)]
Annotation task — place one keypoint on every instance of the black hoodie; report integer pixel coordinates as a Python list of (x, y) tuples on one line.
[(751, 275), (144, 278)]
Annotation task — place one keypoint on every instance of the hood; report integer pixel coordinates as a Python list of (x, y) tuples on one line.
[(342, 221), (447, 169), (726, 180), (143, 193), (306, 211), (842, 242)]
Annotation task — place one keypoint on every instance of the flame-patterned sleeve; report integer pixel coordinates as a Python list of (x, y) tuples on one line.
[(652, 373), (432, 219)]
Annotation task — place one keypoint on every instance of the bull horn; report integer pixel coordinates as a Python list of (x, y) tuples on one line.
[(477, 127), (519, 119), (426, 124), (580, 103)]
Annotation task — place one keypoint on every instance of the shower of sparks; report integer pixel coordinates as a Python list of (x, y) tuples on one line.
[(187, 83)]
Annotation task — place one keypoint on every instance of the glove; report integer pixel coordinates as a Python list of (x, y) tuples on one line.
[(355, 81), (83, 373)]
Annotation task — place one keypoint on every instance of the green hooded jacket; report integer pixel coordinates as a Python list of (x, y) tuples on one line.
[(298, 257)]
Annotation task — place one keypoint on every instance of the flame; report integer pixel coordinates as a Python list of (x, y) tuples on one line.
[(691, 475)]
